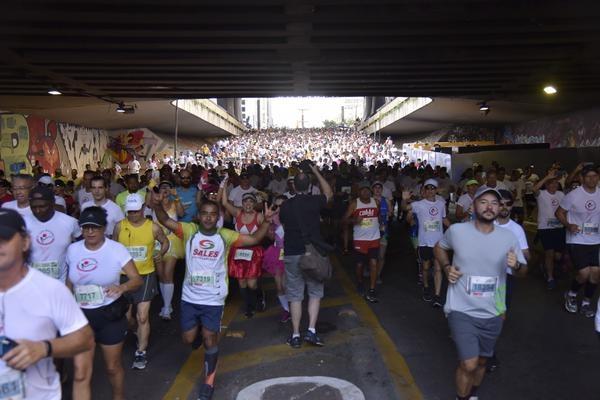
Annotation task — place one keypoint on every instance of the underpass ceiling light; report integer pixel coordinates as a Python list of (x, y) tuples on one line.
[(121, 108), (550, 90), (54, 92), (484, 108)]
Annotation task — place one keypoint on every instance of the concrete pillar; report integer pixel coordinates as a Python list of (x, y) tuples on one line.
[(367, 107), (238, 108)]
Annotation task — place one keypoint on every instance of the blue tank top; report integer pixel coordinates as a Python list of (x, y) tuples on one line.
[(188, 201)]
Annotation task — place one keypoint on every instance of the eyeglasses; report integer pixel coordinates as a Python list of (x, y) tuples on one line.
[(91, 228)]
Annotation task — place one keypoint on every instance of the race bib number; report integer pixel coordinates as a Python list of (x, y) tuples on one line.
[(243, 255), (138, 253), (554, 223), (49, 268), (482, 286), (366, 223), (202, 278), (590, 229), (89, 295), (12, 385), (281, 255), (432, 226)]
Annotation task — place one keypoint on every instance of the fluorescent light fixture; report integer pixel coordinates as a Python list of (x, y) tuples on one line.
[(484, 107), (54, 92), (549, 89), (125, 108), (121, 108)]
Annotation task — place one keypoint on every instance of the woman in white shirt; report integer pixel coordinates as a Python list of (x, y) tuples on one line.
[(95, 266)]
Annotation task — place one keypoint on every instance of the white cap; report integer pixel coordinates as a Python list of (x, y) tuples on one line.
[(134, 202), (431, 182), (46, 180)]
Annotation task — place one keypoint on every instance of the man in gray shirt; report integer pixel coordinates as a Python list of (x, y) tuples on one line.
[(475, 302)]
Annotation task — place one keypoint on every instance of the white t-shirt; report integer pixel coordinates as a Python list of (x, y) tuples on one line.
[(49, 243), (530, 183), (430, 215), (93, 271), (60, 201), (36, 309), (583, 209), (134, 167), (277, 187), (236, 194), (519, 233), (25, 211), (465, 201), (114, 214), (83, 196), (547, 205)]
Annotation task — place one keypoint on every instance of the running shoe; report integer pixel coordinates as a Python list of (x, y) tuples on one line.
[(313, 339), (587, 311), (437, 302), (285, 316), (551, 284), (570, 303), (492, 364), (165, 314), (261, 303), (371, 296), (139, 360), (294, 342), (205, 392), (249, 314), (427, 295)]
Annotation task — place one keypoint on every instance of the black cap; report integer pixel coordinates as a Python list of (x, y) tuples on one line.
[(59, 182), (93, 216), (588, 168), (506, 195), (11, 222), (41, 193)]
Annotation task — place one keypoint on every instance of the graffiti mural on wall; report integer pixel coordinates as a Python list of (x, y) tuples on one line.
[(141, 143), (27, 139)]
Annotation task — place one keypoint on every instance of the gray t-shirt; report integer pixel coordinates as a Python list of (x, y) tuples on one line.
[(481, 291)]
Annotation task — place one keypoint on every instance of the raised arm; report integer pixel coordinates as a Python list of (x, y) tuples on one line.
[(161, 214), (325, 188)]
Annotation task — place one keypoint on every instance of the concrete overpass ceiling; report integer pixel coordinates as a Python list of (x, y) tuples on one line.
[(154, 49), (447, 112)]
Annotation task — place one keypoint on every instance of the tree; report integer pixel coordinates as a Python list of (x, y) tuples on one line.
[(329, 124)]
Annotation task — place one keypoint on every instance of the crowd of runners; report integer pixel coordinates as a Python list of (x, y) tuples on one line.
[(82, 257)]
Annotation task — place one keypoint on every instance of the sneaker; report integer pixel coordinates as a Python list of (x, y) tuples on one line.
[(294, 341), (261, 304), (205, 392), (427, 295), (285, 316), (587, 311), (551, 284), (313, 339), (492, 364), (139, 360), (371, 296), (249, 314), (570, 303), (165, 314), (437, 302)]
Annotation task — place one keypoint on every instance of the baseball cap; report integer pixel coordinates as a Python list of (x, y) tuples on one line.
[(46, 180), (60, 183), (165, 183), (506, 195), (431, 182), (41, 193), (134, 202), (471, 182), (11, 222), (485, 189), (93, 216), (587, 169), (364, 185), (377, 183)]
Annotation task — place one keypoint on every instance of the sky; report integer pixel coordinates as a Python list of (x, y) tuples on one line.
[(287, 111)]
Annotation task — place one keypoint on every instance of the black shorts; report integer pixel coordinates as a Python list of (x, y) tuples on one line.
[(425, 253), (106, 330), (584, 255), (552, 239), (362, 258), (146, 292)]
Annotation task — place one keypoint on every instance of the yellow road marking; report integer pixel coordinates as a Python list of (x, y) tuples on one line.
[(397, 366), (190, 372), (269, 354), (325, 303)]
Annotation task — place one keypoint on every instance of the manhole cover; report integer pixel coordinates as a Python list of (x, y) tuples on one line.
[(302, 388)]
